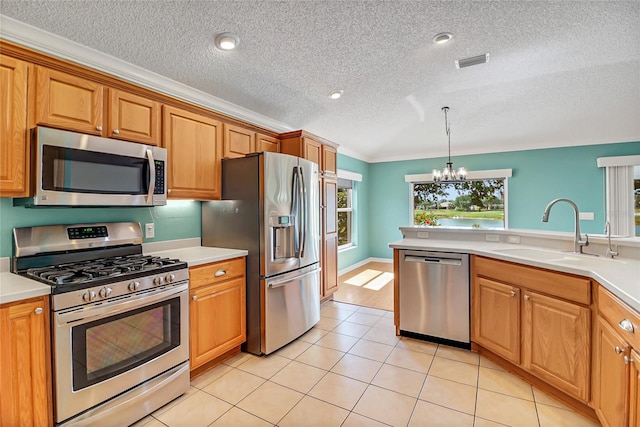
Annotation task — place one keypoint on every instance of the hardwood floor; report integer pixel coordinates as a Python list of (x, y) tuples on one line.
[(370, 286)]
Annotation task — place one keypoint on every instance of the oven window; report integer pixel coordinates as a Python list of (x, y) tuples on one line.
[(82, 171), (107, 347)]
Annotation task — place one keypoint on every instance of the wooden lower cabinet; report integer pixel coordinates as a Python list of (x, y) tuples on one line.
[(556, 343), (217, 310), (330, 266), (25, 374), (527, 317), (496, 325), (634, 389), (617, 363), (612, 376)]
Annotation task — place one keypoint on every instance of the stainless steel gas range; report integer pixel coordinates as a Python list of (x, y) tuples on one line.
[(120, 320)]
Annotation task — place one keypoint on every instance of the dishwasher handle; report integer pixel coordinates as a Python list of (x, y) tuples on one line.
[(432, 260)]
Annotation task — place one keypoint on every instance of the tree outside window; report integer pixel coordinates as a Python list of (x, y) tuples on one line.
[(345, 213), (471, 204)]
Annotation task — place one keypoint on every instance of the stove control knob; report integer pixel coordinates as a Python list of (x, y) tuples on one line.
[(170, 278), (105, 292), (89, 296), (158, 280), (133, 286)]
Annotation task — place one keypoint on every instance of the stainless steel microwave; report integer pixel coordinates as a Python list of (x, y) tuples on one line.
[(73, 169)]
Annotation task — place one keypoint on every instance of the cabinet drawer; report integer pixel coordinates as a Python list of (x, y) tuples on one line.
[(216, 272), (615, 312), (572, 288)]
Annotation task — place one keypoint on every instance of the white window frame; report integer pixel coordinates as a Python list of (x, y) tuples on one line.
[(352, 223), (471, 176), (619, 204)]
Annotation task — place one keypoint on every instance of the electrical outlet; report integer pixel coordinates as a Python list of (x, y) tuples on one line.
[(149, 230), (514, 239), (589, 216), (423, 234), (492, 237)]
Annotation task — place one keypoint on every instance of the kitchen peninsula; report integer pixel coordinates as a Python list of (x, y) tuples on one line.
[(567, 323)]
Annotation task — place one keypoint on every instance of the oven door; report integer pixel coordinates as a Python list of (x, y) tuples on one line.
[(105, 349), (83, 170)]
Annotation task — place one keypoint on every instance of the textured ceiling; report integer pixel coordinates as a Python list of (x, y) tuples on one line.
[(561, 73)]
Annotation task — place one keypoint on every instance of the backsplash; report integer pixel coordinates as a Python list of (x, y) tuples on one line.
[(177, 220)]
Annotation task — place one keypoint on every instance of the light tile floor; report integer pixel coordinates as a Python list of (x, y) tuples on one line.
[(351, 370)]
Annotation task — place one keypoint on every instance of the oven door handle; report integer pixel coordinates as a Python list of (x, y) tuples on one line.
[(120, 305)]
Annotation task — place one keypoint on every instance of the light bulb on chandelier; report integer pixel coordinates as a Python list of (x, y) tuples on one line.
[(448, 174)]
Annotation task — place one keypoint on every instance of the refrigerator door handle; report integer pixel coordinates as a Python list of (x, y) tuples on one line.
[(295, 208), (283, 282), (303, 209)]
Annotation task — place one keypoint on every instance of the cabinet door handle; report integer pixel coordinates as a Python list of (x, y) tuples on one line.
[(618, 350), (513, 293), (116, 131), (38, 310), (99, 128), (220, 273), (628, 360), (626, 325), (526, 297), (195, 297)]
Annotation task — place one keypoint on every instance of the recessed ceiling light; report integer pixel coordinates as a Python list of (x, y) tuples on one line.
[(442, 38), (336, 94), (227, 41)]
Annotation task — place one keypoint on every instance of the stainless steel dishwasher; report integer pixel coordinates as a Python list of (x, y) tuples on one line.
[(434, 297)]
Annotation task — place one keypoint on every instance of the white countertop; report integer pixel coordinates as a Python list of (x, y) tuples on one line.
[(621, 276), (15, 288)]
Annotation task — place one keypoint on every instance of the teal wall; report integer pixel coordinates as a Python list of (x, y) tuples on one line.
[(538, 177), (176, 220), (361, 207)]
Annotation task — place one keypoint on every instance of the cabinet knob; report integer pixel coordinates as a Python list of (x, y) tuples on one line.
[(513, 293), (99, 128), (618, 350), (38, 310), (220, 273), (195, 297), (116, 131), (628, 360), (526, 297), (626, 325), (168, 190)]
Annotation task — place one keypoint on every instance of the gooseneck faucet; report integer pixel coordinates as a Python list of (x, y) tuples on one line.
[(578, 243)]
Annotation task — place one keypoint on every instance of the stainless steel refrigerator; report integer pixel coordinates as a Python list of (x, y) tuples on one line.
[(271, 207)]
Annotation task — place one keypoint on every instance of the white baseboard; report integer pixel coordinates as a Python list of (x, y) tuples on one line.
[(363, 262)]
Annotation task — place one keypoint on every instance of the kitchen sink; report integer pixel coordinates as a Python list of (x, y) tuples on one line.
[(557, 256)]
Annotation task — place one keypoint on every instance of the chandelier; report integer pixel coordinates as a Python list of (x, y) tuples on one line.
[(448, 174)]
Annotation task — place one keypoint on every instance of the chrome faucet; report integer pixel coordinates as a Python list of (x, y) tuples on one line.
[(610, 252), (578, 243)]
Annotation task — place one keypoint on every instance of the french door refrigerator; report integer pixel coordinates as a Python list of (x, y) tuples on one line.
[(271, 207)]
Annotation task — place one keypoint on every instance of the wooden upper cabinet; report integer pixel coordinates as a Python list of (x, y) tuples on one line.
[(267, 143), (194, 151), (556, 343), (133, 118), (238, 141), (68, 102), (14, 147), (329, 160), (312, 150)]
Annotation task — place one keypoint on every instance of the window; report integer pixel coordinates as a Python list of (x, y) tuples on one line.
[(622, 183), (345, 213), (479, 202)]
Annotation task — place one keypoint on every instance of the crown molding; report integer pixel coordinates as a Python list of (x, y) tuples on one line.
[(34, 38)]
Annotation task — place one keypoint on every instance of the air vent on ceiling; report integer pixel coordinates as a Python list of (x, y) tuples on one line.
[(474, 60)]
